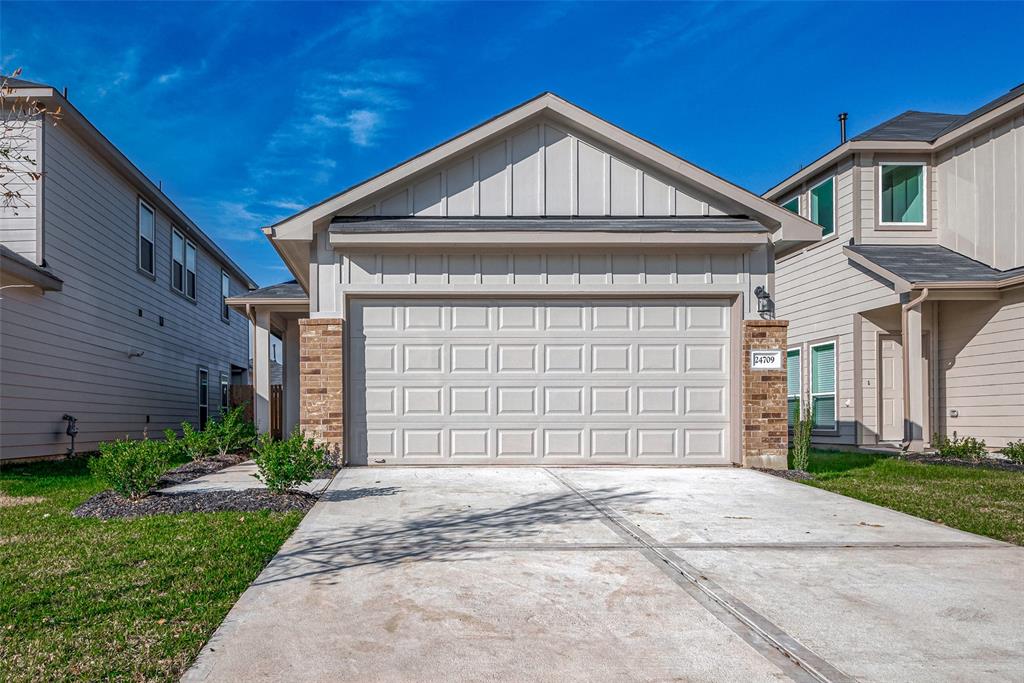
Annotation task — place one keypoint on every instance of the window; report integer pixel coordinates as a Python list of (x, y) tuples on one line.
[(225, 292), (793, 205), (823, 206), (204, 396), (190, 270), (823, 385), (902, 193), (793, 367), (225, 395), (183, 265), (147, 237)]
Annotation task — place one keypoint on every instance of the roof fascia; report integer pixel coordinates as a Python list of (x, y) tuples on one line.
[(971, 127), (30, 275), (294, 253)]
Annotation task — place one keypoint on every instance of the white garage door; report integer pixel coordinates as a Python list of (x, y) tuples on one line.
[(552, 381)]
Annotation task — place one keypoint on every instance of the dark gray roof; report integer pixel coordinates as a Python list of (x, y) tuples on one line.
[(397, 224), (282, 290), (930, 263), (20, 266), (923, 126)]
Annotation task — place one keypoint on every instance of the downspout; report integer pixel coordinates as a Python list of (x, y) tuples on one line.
[(905, 341)]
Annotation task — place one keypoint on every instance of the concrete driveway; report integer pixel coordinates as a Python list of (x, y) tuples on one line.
[(638, 574)]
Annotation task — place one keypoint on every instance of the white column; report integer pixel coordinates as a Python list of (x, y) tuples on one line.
[(291, 377), (915, 379), (261, 372)]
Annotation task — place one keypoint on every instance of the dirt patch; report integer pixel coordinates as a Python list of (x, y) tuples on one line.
[(792, 475), (985, 464), (12, 501), (110, 505), (198, 468)]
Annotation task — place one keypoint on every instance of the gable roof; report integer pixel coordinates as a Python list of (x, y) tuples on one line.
[(143, 185), (909, 131), (787, 229)]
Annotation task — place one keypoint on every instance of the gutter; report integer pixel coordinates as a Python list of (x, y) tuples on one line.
[(905, 341)]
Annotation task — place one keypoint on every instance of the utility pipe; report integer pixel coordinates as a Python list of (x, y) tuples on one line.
[(905, 341)]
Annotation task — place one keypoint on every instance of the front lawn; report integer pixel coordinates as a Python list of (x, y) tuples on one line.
[(982, 501), (85, 599)]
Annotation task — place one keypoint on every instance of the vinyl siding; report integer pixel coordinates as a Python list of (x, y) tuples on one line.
[(68, 351), (18, 223), (981, 193), (981, 347)]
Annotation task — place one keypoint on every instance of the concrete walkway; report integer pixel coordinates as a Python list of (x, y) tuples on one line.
[(575, 574), (236, 478)]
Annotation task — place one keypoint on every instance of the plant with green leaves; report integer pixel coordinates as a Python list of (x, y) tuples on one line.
[(1014, 451), (131, 467), (802, 428), (232, 433), (197, 444), (960, 448), (284, 464)]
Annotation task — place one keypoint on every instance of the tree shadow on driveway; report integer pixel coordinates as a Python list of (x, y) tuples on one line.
[(439, 533)]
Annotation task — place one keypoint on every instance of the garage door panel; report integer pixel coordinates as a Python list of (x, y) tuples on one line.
[(538, 381)]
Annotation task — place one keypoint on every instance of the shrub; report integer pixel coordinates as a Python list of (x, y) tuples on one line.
[(232, 433), (197, 444), (284, 464), (802, 439), (1014, 451), (966, 448), (130, 467), (174, 447)]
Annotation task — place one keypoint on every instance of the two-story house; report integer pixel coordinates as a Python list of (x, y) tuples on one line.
[(907, 318), (112, 307)]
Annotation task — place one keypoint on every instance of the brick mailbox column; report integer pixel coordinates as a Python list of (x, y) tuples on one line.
[(320, 381), (765, 429)]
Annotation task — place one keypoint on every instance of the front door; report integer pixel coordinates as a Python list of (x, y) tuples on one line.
[(891, 389)]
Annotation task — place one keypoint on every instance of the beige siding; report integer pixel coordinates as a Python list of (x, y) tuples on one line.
[(981, 195), (18, 223), (870, 230), (542, 169), (981, 347), (68, 351)]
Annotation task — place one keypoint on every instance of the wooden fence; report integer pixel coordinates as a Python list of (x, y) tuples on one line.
[(241, 394)]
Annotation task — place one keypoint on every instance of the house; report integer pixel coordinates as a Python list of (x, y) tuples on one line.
[(112, 307), (907, 317), (545, 287)]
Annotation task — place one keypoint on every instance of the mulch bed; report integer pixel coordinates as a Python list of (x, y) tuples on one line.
[(198, 468), (110, 505), (792, 475), (985, 464)]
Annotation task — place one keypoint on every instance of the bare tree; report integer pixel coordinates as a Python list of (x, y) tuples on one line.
[(19, 169)]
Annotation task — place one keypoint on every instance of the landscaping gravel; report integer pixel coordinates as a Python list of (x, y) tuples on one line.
[(986, 463), (109, 505), (792, 475), (198, 468)]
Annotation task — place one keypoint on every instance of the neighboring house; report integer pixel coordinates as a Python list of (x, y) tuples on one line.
[(545, 287), (112, 307), (907, 318)]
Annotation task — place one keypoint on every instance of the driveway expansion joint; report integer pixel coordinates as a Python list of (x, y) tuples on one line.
[(797, 661)]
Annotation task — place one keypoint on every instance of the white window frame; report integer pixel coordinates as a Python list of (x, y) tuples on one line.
[(834, 343), (799, 204), (799, 395), (225, 312), (835, 207), (143, 205), (924, 194)]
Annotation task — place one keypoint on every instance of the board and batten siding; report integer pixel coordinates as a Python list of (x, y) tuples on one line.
[(68, 351), (871, 232), (19, 229), (981, 190), (819, 293), (542, 169), (981, 350)]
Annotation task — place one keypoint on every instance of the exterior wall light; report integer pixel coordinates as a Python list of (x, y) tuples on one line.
[(765, 305)]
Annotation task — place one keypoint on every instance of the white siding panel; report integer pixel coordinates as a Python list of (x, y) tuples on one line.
[(426, 196), (526, 172), (18, 231), (493, 165), (462, 188), (624, 184), (558, 173), (591, 181)]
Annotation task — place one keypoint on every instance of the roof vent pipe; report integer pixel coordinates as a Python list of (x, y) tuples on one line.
[(842, 128)]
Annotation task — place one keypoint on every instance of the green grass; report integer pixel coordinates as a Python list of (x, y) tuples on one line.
[(982, 501), (85, 599)]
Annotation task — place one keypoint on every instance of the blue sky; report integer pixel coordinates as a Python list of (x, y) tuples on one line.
[(249, 112)]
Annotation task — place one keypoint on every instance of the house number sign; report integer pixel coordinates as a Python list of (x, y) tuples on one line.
[(761, 359)]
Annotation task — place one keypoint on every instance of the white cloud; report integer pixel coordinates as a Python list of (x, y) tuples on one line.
[(173, 75), (286, 205), (363, 125)]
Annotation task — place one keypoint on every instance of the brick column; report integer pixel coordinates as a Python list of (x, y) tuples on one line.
[(765, 429), (320, 382)]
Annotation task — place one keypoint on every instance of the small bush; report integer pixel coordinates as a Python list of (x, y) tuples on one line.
[(232, 433), (130, 467), (965, 448), (802, 439), (1014, 451), (175, 447), (288, 463), (198, 445)]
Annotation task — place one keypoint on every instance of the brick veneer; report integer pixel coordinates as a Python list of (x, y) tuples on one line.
[(320, 381), (765, 431)]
